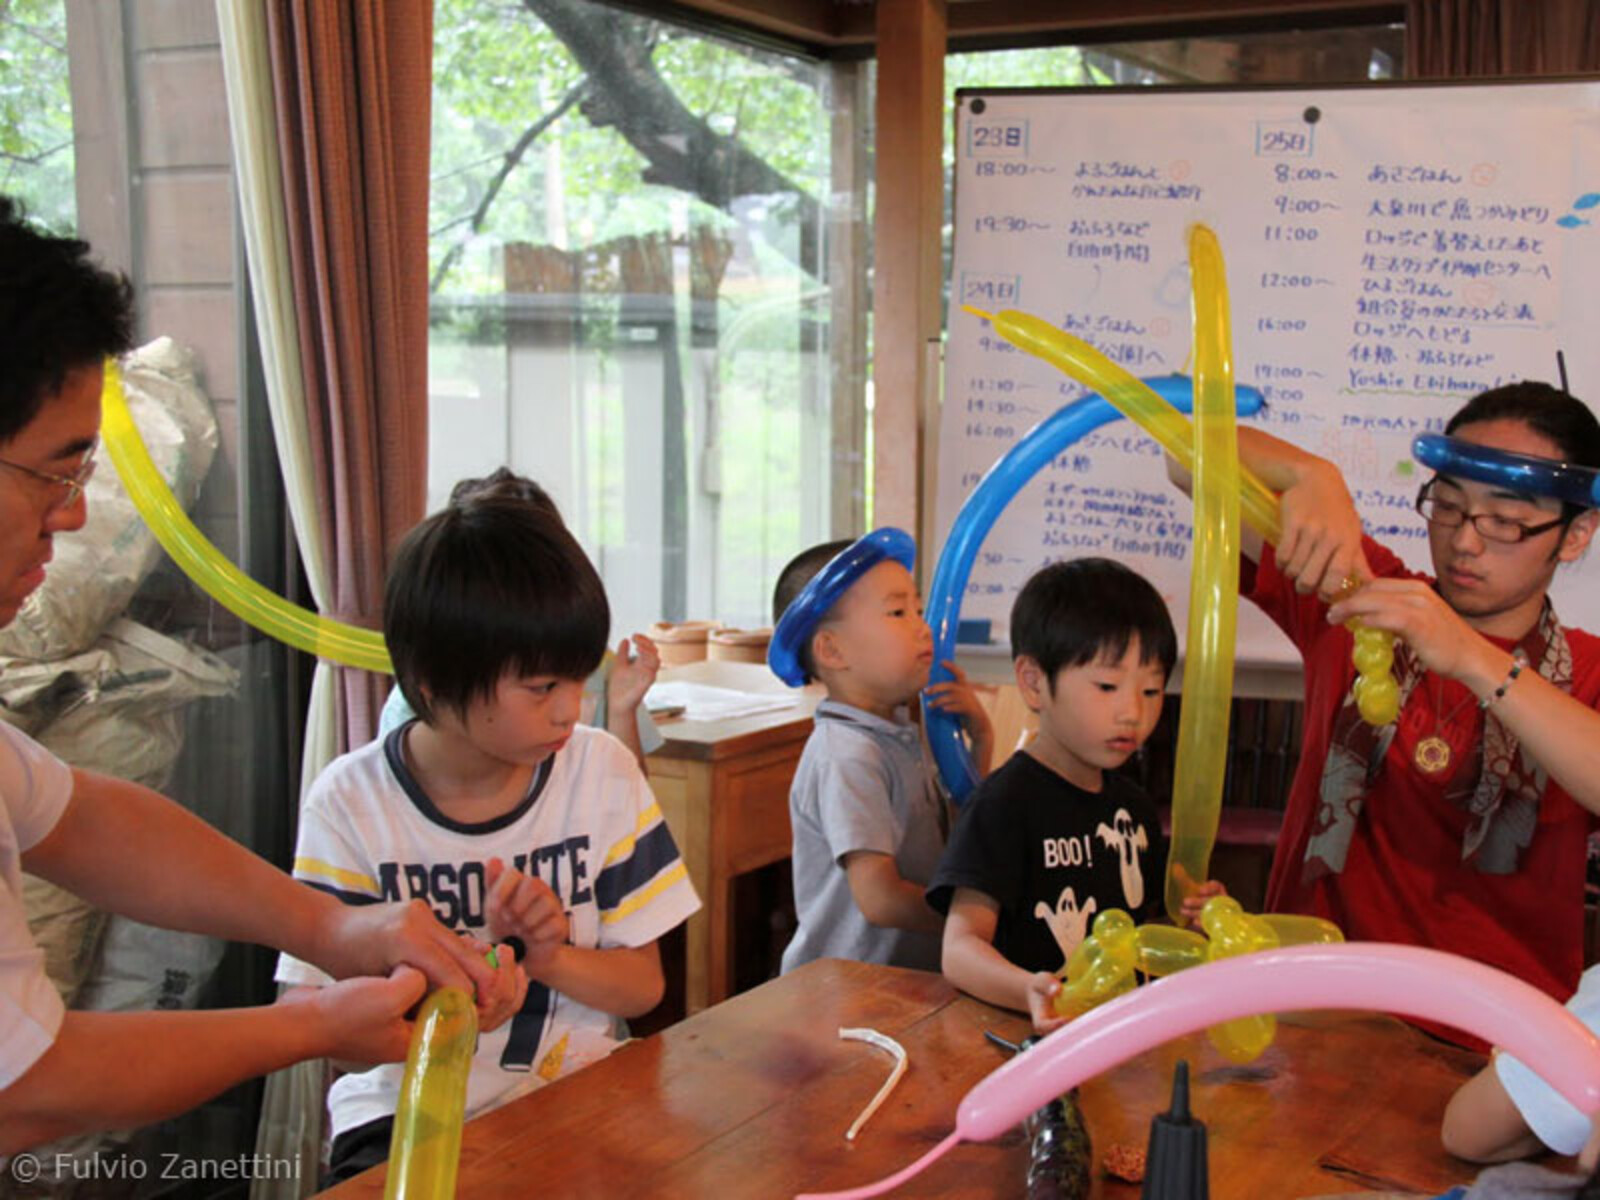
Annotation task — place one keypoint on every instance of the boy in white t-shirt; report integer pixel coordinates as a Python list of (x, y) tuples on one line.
[(497, 809)]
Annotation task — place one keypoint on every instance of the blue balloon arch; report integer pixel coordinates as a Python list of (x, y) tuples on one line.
[(982, 509)]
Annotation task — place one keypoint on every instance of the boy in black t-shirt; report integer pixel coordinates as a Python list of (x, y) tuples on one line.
[(1050, 839)]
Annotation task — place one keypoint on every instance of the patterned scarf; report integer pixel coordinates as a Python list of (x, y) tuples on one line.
[(1500, 787)]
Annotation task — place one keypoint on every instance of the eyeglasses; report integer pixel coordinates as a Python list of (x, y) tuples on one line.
[(1490, 527), (72, 485)]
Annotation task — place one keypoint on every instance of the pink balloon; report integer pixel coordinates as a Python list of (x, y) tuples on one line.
[(1407, 980)]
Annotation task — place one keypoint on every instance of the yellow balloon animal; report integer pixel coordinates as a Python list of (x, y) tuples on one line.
[(425, 1149), (202, 562), (1105, 963)]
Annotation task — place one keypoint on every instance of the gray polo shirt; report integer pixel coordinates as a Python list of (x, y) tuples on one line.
[(863, 783)]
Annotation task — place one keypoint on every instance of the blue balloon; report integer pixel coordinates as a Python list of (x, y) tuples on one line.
[(995, 490), (1514, 472)]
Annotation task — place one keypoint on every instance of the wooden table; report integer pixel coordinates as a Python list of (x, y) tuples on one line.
[(752, 1098), (724, 789)]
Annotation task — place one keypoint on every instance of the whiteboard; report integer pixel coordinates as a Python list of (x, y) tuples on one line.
[(1391, 251)]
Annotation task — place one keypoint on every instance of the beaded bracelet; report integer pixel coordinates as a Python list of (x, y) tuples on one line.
[(1516, 669)]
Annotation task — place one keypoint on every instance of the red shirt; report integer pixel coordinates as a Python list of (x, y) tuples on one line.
[(1404, 880)]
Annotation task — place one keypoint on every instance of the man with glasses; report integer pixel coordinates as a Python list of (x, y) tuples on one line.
[(121, 846), (1462, 826)]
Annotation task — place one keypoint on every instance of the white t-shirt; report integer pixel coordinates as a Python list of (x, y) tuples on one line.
[(35, 786), (1554, 1121), (589, 827)]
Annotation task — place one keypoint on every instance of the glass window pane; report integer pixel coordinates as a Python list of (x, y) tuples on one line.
[(636, 234)]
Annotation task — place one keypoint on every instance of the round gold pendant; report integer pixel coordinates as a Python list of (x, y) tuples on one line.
[(1432, 755)]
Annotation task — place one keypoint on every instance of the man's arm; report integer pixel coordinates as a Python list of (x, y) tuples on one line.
[(121, 1070), (1558, 731), (129, 850), (1321, 543)]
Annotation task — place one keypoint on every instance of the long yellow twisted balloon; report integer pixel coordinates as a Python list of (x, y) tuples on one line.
[(210, 569)]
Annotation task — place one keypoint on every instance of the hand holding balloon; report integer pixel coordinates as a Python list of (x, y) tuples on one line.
[(1105, 963), (1441, 640)]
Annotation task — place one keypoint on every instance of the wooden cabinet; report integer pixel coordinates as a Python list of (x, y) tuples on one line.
[(724, 789)]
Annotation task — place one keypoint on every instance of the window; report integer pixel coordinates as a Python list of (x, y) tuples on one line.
[(647, 266)]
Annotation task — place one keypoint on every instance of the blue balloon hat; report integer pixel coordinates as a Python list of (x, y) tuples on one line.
[(1515, 472), (817, 598)]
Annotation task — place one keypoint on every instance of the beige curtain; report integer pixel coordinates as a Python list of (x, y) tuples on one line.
[(330, 106), (290, 1128), (352, 81), (1460, 38)]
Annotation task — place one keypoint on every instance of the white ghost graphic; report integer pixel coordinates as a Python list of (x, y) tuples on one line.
[(1068, 923), (1127, 839)]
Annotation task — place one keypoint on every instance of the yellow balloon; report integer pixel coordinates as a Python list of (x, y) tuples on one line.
[(1130, 396), (425, 1149), (1101, 966), (202, 562), (1378, 700), (1202, 754), (1296, 929), (1244, 1040), (1166, 949), (1233, 932)]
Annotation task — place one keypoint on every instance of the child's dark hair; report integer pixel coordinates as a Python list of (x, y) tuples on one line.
[(1073, 613), (482, 590), (58, 312), (801, 569), (1548, 411), (503, 484)]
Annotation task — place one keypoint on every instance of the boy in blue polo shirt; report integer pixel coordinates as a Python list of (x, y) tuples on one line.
[(868, 816)]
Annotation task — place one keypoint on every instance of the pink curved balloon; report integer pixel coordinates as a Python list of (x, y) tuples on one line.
[(1407, 980)]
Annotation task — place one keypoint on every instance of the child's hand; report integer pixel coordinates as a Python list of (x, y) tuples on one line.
[(956, 696), (1042, 989), (524, 908), (1196, 899), (502, 999), (631, 675)]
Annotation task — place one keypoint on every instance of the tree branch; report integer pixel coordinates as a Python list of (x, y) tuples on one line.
[(513, 158), (33, 160), (628, 94), (28, 30)]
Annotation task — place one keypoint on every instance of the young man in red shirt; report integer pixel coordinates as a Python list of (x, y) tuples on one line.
[(1462, 826)]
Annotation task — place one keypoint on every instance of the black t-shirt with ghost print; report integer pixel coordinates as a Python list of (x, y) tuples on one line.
[(1054, 856)]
